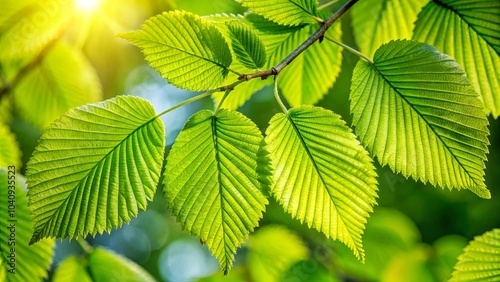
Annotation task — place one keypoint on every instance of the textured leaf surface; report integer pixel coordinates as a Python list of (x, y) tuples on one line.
[(416, 110), (71, 269), (309, 76), (480, 260), (29, 26), (31, 262), (323, 176), (469, 31), (62, 80), (247, 46), (214, 180), (94, 168), (105, 265), (188, 51), (284, 12), (10, 155), (273, 250), (375, 22)]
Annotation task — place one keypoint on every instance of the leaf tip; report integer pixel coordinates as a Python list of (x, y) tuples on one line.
[(483, 193)]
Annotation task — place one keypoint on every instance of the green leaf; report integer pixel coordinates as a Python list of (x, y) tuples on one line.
[(71, 269), (285, 12), (215, 177), (273, 250), (375, 22), (480, 260), (105, 265), (469, 31), (323, 176), (94, 168), (26, 31), (309, 76), (10, 155), (27, 266), (415, 109), (188, 51), (62, 80), (247, 46)]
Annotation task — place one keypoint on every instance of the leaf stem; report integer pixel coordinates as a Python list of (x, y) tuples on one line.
[(328, 4), (228, 87), (350, 49), (277, 95), (235, 72), (222, 100), (85, 245), (185, 102), (318, 34)]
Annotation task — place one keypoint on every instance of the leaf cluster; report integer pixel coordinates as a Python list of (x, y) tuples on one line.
[(419, 100)]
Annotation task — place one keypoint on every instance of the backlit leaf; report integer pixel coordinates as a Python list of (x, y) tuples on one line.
[(247, 46), (469, 31), (284, 12), (480, 260), (94, 168), (215, 177), (415, 109), (323, 176), (188, 51), (375, 22)]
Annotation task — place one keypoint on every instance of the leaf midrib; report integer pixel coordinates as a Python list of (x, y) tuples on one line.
[(311, 157), (219, 180), (302, 8), (36, 238), (373, 66)]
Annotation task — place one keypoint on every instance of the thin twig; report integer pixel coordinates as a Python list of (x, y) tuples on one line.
[(317, 35)]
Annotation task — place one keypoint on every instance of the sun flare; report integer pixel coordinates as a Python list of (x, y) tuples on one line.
[(87, 5)]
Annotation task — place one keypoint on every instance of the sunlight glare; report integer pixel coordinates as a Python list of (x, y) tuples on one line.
[(87, 5)]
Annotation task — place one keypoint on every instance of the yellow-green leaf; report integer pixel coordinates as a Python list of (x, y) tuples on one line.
[(323, 176), (188, 51)]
